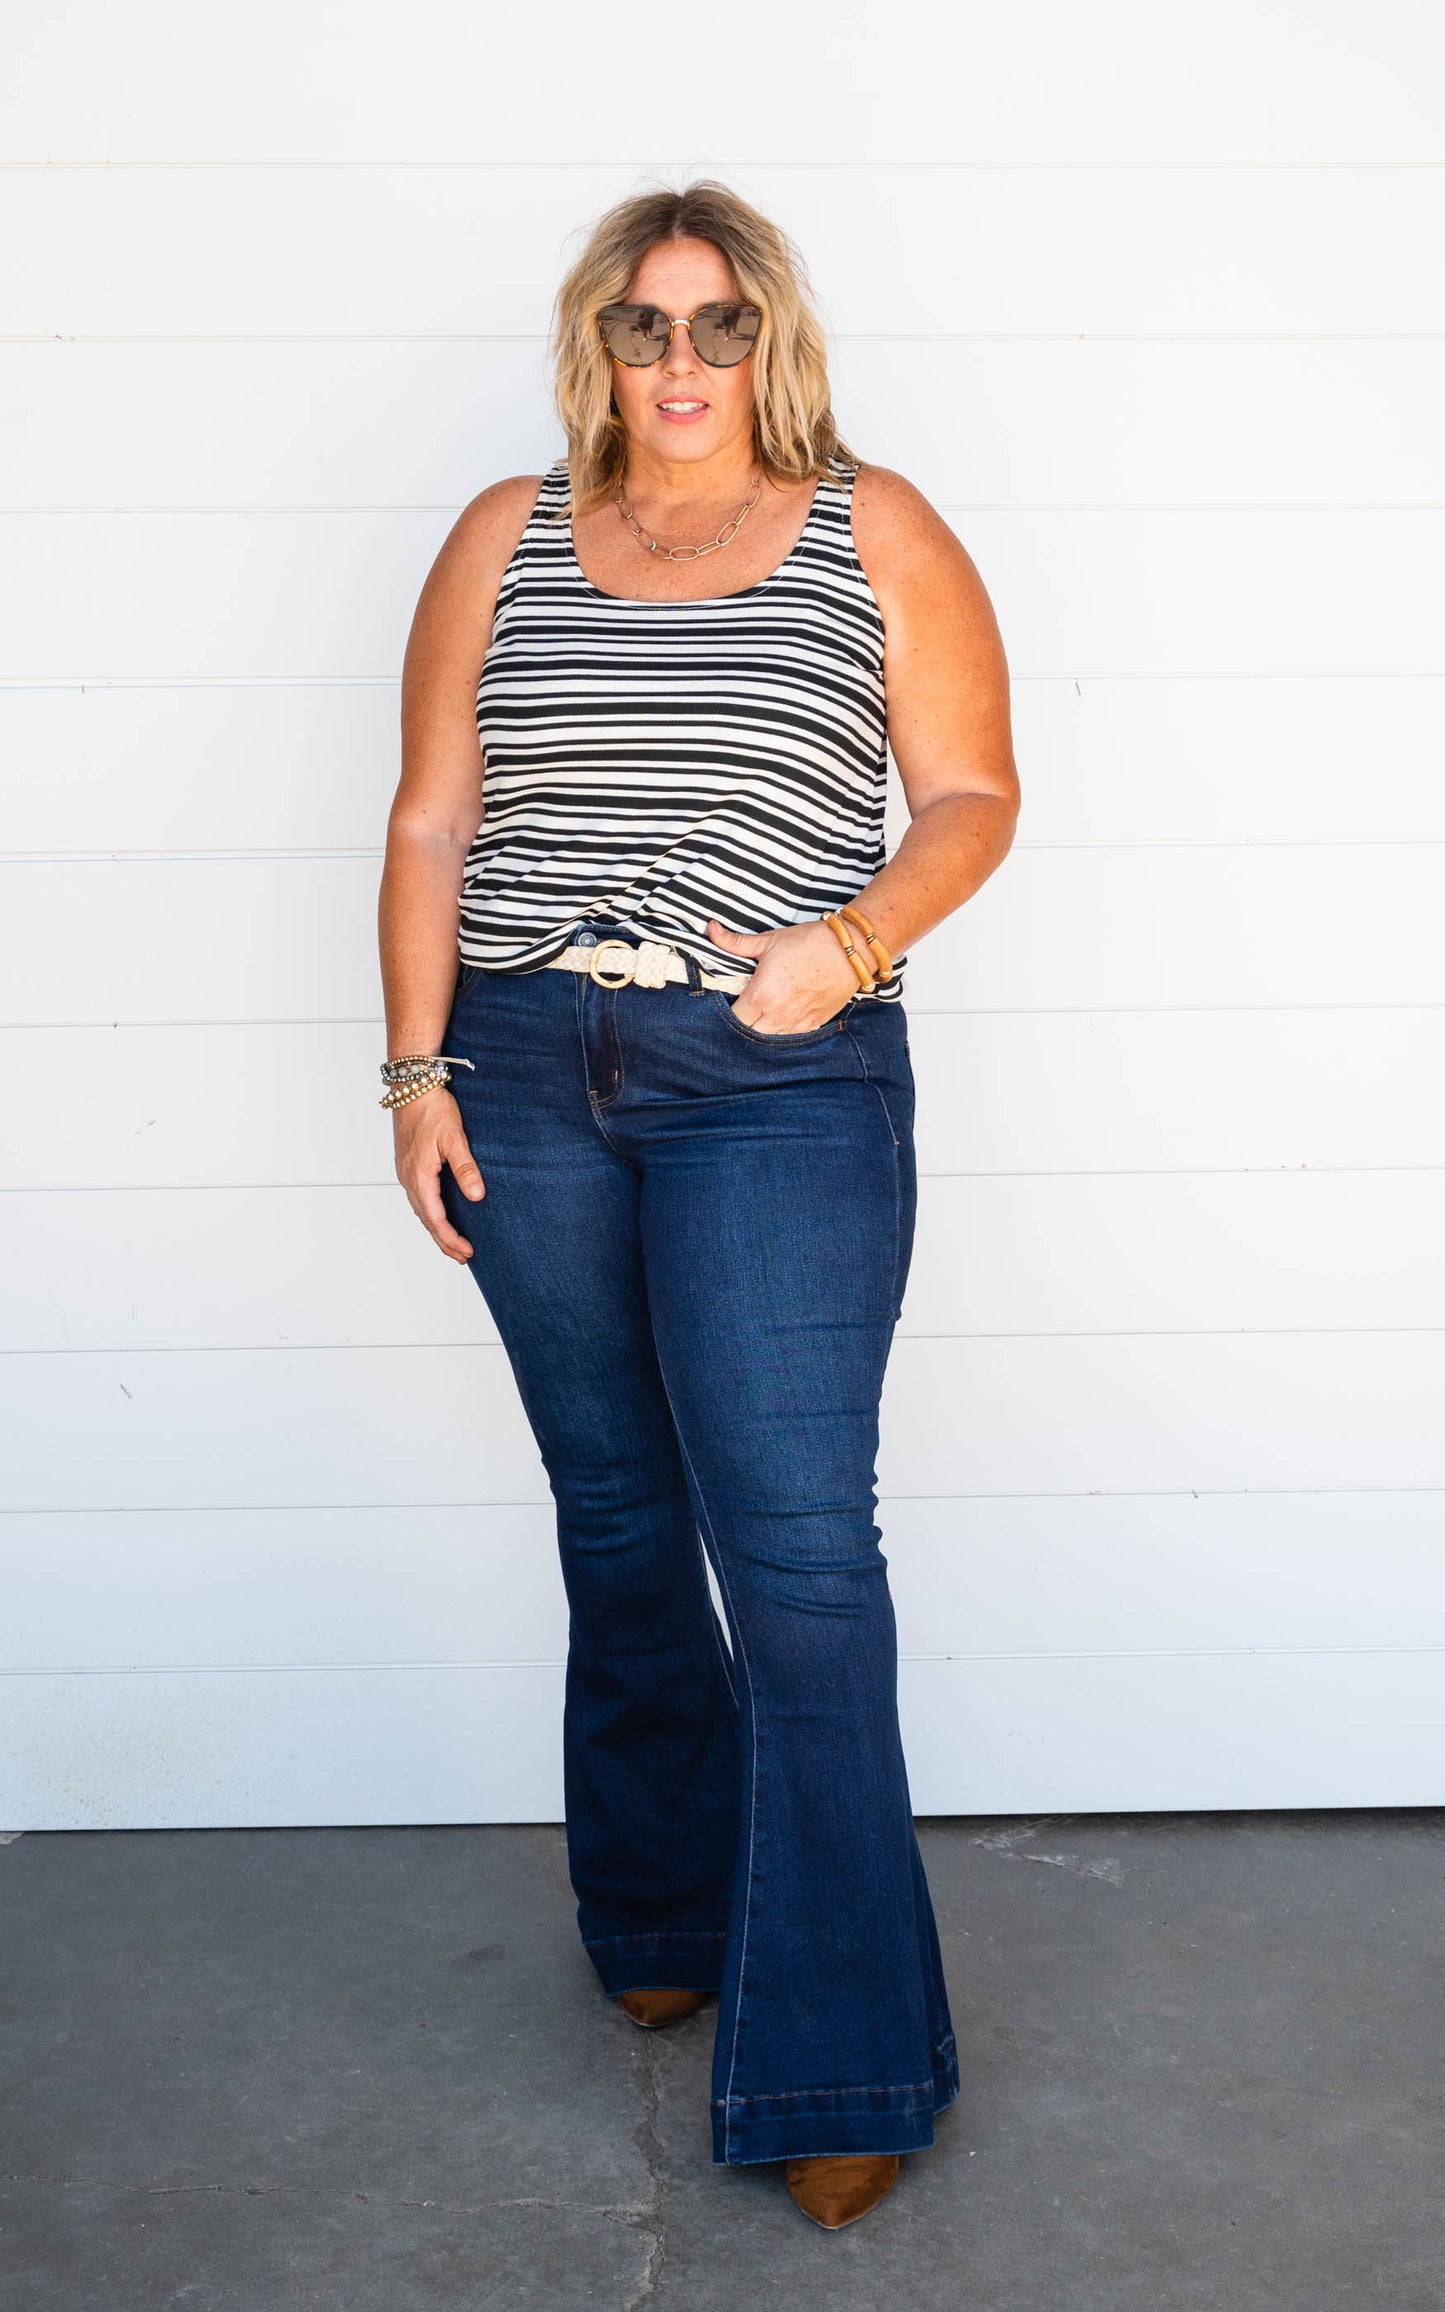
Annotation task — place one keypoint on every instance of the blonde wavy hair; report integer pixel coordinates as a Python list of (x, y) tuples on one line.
[(794, 435)]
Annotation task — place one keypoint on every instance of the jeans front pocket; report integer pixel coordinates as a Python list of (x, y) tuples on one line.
[(789, 1039)]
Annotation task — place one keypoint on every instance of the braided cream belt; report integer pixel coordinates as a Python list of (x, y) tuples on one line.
[(617, 963)]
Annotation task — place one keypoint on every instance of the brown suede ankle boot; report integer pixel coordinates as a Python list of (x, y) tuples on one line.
[(838, 2189), (654, 2008)]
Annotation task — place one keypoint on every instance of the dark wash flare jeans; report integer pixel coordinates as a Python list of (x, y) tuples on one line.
[(694, 1243)]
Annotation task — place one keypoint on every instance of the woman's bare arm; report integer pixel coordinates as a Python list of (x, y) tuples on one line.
[(434, 815), (947, 686)]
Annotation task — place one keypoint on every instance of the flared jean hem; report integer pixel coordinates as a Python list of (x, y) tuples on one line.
[(817, 2121), (681, 1961)]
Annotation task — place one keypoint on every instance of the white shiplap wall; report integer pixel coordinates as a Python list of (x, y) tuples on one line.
[(1149, 302)]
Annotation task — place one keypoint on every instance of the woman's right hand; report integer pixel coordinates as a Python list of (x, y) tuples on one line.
[(429, 1133)]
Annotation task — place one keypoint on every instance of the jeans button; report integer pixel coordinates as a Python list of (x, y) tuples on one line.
[(585, 939)]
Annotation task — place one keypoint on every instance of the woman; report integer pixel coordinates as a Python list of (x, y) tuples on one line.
[(678, 1156)]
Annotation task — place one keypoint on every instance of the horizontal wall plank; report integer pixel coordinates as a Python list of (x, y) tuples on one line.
[(1027, 1577), (1124, 82), (228, 766), (1026, 1092), (1054, 929), (1257, 759), (1190, 927), (1182, 1251), (295, 766), (296, 1419), (219, 1750), (1071, 422), (428, 1426), (1104, 1092), (969, 253), (1138, 1411), (1242, 1730), (1183, 1573), (173, 1268), (331, 594), (276, 1588)]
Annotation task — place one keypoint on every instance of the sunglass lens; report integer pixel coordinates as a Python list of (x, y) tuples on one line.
[(636, 334), (723, 335)]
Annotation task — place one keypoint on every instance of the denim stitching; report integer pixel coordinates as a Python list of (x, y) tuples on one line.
[(753, 1790), (944, 2049), (658, 1936), (790, 1037), (804, 2094), (878, 1088), (616, 1092), (724, 1657), (897, 1180), (593, 1106), (603, 1134)]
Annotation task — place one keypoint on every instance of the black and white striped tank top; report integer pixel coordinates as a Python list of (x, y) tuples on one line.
[(649, 764)]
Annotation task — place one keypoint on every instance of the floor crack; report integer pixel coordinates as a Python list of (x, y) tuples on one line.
[(651, 2218), (1006, 1843)]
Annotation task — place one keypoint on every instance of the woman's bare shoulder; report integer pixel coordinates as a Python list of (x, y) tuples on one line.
[(456, 605), (909, 553), (893, 519), (488, 529)]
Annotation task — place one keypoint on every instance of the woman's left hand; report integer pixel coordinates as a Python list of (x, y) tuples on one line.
[(802, 980)]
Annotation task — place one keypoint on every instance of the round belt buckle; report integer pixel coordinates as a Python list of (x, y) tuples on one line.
[(628, 958)]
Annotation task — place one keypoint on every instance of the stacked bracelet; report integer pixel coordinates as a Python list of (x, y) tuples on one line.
[(882, 960), (870, 970), (844, 937), (408, 1078)]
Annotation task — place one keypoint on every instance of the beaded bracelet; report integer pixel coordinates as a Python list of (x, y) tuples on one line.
[(408, 1078)]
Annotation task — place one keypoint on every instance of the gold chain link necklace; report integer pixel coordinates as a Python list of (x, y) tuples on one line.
[(724, 537)]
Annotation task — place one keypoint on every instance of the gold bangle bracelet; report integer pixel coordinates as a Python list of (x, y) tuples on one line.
[(883, 961), (844, 937)]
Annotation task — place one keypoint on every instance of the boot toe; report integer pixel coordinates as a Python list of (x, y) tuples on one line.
[(837, 2190), (652, 2009)]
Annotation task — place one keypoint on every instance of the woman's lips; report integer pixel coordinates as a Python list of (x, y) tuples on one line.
[(687, 414)]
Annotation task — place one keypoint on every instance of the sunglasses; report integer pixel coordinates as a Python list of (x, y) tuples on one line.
[(638, 335)]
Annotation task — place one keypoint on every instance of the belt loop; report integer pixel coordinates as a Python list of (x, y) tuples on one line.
[(694, 974)]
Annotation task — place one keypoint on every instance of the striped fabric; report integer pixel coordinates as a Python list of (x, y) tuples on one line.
[(649, 764)]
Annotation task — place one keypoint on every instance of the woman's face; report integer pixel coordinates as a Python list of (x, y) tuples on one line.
[(679, 410)]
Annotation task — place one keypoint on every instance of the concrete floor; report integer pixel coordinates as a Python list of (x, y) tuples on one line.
[(371, 2070)]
